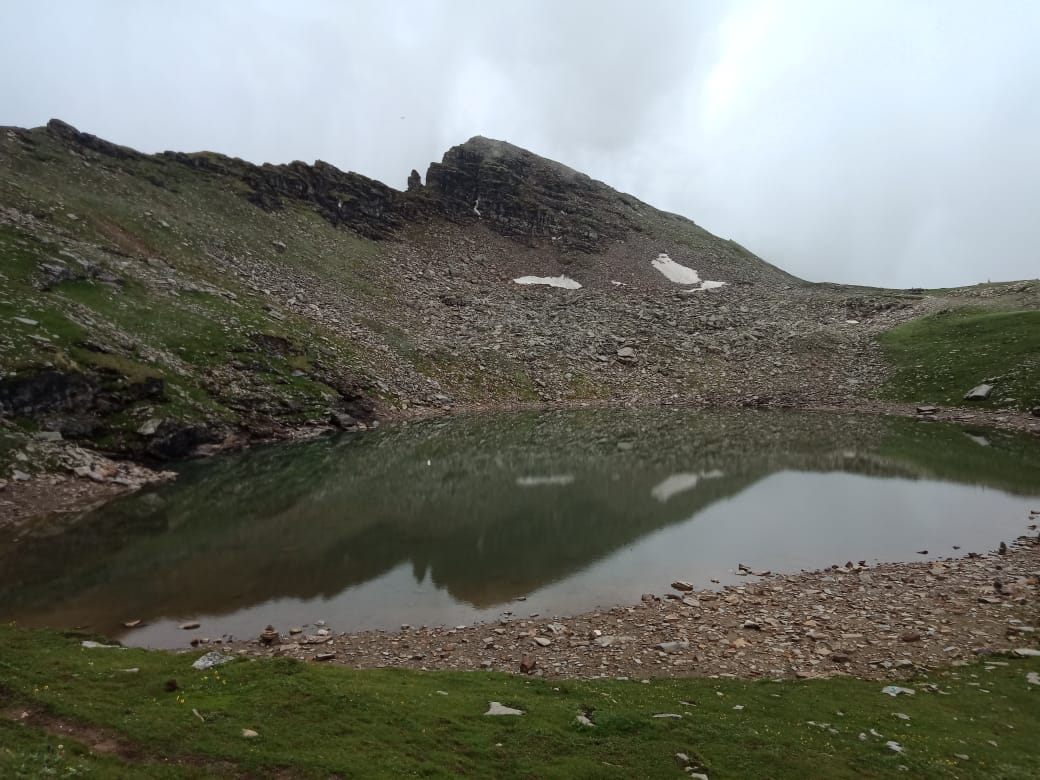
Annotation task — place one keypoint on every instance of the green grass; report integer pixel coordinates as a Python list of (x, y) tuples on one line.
[(939, 358), (188, 338), (317, 721)]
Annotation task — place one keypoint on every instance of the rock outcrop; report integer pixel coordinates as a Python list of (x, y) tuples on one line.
[(527, 197)]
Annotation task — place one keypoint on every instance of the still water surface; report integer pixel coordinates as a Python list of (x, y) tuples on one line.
[(447, 522)]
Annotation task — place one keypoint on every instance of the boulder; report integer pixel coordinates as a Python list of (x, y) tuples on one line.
[(978, 393)]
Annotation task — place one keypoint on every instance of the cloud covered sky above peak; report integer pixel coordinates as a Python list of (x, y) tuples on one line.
[(893, 143)]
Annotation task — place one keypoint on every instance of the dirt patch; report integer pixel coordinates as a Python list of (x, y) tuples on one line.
[(128, 243), (94, 738), (100, 741)]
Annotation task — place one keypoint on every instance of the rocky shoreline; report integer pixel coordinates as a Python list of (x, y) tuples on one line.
[(886, 622)]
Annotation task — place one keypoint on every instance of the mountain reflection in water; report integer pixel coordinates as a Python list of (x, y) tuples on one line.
[(452, 520)]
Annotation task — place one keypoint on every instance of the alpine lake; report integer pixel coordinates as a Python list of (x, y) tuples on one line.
[(458, 520)]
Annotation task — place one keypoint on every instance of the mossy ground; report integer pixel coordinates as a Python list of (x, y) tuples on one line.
[(321, 721), (148, 302), (939, 358)]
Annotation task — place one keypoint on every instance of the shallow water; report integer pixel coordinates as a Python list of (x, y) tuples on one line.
[(451, 521)]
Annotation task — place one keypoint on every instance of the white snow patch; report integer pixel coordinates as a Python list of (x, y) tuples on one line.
[(564, 282), (476, 210), (552, 479), (680, 483), (680, 274)]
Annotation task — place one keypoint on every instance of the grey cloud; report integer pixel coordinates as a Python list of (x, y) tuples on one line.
[(884, 143)]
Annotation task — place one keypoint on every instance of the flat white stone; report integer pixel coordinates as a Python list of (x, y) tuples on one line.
[(497, 708), (895, 690)]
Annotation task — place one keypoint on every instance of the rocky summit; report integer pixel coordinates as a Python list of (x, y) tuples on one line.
[(158, 306)]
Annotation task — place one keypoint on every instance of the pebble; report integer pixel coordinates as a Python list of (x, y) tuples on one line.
[(673, 647)]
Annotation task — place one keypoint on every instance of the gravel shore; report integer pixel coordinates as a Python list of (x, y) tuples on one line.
[(889, 621)]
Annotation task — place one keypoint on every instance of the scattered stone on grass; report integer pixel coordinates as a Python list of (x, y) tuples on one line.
[(497, 708), (211, 660), (896, 690)]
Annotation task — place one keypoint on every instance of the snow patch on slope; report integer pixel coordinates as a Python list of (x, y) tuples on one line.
[(680, 274), (564, 282)]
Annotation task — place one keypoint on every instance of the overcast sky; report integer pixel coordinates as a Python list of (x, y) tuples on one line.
[(893, 143)]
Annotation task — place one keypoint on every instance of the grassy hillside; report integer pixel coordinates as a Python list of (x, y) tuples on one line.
[(941, 357), (150, 714)]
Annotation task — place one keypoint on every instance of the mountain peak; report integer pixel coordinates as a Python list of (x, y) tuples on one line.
[(528, 197)]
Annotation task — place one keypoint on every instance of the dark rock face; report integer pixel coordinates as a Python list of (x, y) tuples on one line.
[(46, 391), (71, 402), (524, 196), (518, 194), (347, 199), (71, 135), (173, 440)]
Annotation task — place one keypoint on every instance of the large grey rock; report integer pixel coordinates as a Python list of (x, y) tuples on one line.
[(978, 393), (627, 355), (210, 660)]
